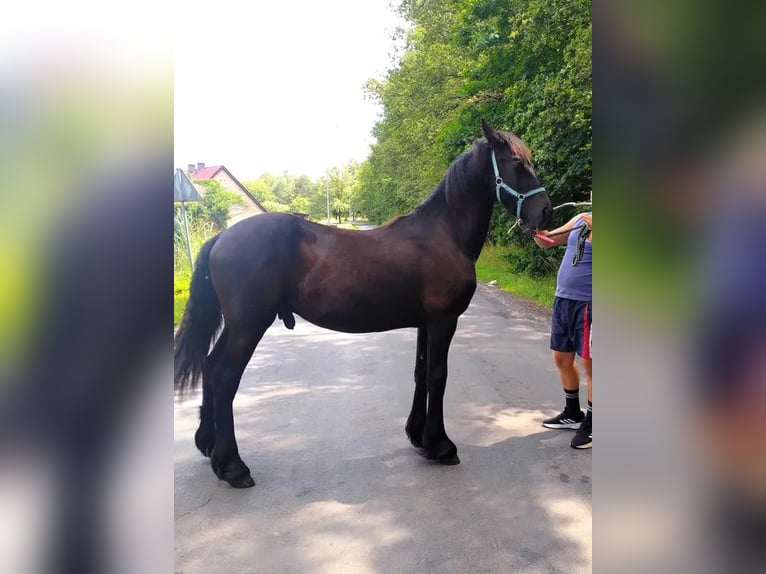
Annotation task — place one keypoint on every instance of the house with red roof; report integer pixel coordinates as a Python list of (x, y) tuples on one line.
[(219, 173)]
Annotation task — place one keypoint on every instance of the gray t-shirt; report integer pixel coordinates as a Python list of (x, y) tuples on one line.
[(576, 281)]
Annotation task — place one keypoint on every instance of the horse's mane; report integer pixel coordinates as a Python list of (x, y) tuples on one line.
[(463, 172), (518, 147), (395, 219)]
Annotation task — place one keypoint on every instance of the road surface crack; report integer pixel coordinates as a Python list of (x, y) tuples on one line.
[(195, 509)]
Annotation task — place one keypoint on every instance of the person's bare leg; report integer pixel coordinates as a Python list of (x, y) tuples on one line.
[(572, 415), (570, 376)]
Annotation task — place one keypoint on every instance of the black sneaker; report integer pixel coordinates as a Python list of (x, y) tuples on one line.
[(565, 420), (584, 436)]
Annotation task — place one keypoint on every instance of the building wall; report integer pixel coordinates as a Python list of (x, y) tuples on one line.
[(238, 212)]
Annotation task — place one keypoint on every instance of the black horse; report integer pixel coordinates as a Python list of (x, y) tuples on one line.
[(417, 271)]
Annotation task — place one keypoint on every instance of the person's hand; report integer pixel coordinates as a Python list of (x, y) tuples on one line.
[(542, 234), (588, 219)]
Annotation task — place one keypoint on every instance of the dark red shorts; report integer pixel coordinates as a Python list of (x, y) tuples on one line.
[(570, 326)]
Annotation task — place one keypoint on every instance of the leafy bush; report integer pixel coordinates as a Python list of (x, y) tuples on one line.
[(214, 207), (275, 207), (533, 261)]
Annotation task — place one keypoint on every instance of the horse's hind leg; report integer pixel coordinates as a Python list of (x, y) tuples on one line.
[(236, 353), (435, 439), (416, 422), (204, 438)]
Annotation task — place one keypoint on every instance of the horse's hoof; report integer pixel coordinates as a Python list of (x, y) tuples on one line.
[(416, 442), (234, 472), (449, 459), (445, 459), (444, 451), (242, 482), (204, 443)]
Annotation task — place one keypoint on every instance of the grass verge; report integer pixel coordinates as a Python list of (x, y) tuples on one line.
[(491, 266), (180, 296)]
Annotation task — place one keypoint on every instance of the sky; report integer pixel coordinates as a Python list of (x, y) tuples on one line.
[(278, 86)]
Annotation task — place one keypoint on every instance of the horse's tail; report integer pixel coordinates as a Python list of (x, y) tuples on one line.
[(200, 322)]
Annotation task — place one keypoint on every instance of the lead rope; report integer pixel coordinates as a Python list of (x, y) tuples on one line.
[(567, 204), (580, 250)]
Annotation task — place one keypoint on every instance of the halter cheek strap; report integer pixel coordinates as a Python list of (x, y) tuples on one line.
[(500, 184)]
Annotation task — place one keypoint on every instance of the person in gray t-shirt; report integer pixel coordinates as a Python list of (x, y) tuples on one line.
[(571, 323)]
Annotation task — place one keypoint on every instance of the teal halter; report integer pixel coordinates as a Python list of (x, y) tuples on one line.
[(500, 184)]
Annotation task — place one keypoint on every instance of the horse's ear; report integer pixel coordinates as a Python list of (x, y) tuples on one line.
[(492, 138)]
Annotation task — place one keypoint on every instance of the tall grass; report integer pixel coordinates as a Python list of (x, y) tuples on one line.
[(199, 232)]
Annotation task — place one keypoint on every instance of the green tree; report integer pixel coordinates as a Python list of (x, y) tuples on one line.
[(283, 189), (303, 187), (524, 65), (262, 188), (214, 207), (300, 204), (300, 194), (318, 204)]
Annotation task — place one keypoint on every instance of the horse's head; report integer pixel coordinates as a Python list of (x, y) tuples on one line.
[(514, 182)]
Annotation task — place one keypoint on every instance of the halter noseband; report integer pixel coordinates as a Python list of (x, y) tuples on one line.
[(500, 184)]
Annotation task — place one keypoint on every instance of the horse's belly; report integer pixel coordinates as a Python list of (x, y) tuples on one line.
[(361, 299), (356, 319)]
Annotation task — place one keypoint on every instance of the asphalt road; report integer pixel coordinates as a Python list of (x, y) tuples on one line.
[(320, 421)]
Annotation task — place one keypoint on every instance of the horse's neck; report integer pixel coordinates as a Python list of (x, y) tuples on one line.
[(468, 210), (464, 215), (471, 227)]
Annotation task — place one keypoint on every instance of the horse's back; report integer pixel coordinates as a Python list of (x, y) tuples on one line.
[(273, 260), (354, 281)]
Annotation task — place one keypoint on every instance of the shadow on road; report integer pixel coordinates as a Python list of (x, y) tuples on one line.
[(320, 420)]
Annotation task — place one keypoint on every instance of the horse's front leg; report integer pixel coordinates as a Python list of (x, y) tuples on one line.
[(416, 422), (435, 439)]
